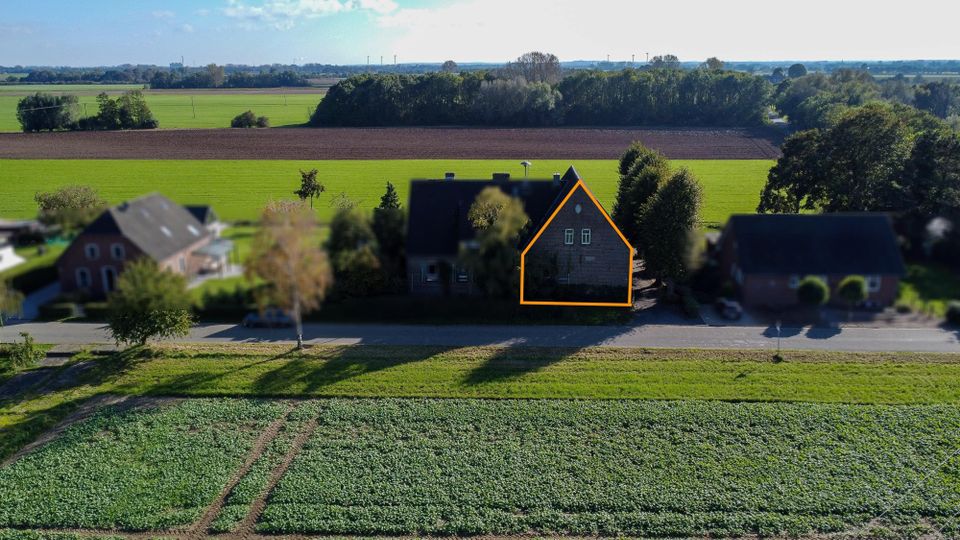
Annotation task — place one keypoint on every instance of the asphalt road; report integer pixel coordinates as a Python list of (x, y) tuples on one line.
[(727, 337)]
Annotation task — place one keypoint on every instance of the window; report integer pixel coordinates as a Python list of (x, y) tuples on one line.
[(92, 251), (462, 275), (166, 232), (83, 278), (568, 237), (563, 280), (794, 281), (873, 283), (109, 278), (193, 230), (118, 252), (585, 236), (183, 265)]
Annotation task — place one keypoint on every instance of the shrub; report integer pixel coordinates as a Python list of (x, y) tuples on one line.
[(813, 291), (852, 290), (149, 302), (56, 311), (249, 120), (953, 313), (17, 356)]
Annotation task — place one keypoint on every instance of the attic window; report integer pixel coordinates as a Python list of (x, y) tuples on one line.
[(586, 236), (568, 237), (166, 232), (193, 230)]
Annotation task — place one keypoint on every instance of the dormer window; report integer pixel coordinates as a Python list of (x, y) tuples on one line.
[(92, 251)]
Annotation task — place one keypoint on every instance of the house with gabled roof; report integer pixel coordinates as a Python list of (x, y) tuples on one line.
[(767, 255), (573, 254), (151, 226)]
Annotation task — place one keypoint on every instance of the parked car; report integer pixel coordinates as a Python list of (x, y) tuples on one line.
[(270, 318), (728, 309)]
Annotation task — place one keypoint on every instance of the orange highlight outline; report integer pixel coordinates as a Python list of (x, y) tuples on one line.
[(523, 255)]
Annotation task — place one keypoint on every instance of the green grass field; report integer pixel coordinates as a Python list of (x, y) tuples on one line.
[(238, 190), (203, 109)]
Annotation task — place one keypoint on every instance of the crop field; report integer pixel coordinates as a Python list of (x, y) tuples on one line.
[(178, 109), (134, 468), (238, 190), (414, 467)]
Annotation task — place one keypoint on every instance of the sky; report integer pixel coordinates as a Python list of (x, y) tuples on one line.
[(111, 32)]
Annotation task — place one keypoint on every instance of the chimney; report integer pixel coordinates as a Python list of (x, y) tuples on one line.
[(556, 179), (449, 176), (501, 177)]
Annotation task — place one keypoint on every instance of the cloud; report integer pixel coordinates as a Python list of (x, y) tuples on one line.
[(163, 14), (283, 14), (203, 12), (186, 27)]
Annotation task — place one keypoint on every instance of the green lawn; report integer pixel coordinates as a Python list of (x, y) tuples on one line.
[(929, 288), (238, 190), (34, 260), (202, 109)]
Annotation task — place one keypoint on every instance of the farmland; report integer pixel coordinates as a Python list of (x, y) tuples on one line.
[(178, 108), (239, 189), (393, 143)]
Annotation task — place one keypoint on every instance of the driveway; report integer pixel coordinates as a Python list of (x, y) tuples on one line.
[(666, 336)]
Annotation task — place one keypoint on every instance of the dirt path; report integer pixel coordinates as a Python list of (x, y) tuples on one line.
[(200, 528), (392, 143), (246, 528)]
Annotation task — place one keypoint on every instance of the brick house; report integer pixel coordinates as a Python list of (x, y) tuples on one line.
[(150, 226), (595, 259), (766, 255)]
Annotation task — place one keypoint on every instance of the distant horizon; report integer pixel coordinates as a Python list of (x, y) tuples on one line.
[(345, 32), (614, 61)]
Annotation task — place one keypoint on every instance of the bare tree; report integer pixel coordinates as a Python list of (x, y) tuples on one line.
[(536, 67), (287, 256)]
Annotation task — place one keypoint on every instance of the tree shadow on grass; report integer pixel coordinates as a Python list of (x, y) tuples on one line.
[(310, 374)]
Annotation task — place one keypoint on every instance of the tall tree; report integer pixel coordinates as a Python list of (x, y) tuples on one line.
[(449, 67), (713, 64), (390, 199), (149, 302), (666, 61), (796, 71), (389, 222), (499, 220), (668, 227), (536, 66), (646, 171), (286, 256), (310, 187), (70, 208)]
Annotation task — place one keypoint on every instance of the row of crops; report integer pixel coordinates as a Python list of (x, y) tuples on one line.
[(503, 467)]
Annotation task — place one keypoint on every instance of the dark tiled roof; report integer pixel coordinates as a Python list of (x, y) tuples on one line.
[(203, 213), (438, 210), (153, 223), (816, 244)]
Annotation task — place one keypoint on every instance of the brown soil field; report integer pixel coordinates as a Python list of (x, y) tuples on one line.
[(391, 143)]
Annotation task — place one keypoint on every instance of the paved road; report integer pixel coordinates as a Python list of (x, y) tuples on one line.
[(846, 339)]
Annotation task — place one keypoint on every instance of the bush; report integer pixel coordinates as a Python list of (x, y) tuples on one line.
[(953, 313), (17, 356), (813, 291), (56, 311), (249, 120), (853, 290), (45, 112)]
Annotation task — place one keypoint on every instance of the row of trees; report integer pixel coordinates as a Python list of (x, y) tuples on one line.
[(214, 76), (658, 210), (628, 97), (46, 112)]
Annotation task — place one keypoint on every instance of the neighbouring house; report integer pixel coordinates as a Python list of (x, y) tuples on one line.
[(150, 226), (8, 257), (766, 255), (23, 232), (574, 253), (208, 218)]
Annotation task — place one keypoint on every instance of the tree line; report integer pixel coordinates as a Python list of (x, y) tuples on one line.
[(816, 100), (46, 112), (214, 76), (628, 97)]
